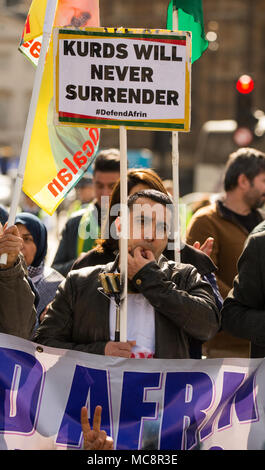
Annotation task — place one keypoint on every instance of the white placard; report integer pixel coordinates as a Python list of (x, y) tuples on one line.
[(136, 79)]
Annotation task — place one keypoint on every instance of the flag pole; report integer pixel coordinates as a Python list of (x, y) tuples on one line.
[(124, 233), (47, 31), (175, 171)]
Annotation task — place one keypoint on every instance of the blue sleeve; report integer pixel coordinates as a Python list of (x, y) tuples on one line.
[(212, 280)]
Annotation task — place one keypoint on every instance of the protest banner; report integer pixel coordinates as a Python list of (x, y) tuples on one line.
[(47, 151), (50, 171), (122, 78), (189, 18), (212, 404), (184, 15), (135, 78)]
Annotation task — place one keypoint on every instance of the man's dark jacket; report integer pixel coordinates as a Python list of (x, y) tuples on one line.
[(243, 314), (184, 306), (66, 251)]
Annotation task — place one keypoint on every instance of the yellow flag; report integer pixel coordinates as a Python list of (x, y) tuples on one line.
[(58, 156)]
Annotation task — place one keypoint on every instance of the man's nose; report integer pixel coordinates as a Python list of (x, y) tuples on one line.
[(106, 191), (150, 234)]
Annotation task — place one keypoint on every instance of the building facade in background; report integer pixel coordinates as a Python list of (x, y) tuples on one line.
[(16, 78)]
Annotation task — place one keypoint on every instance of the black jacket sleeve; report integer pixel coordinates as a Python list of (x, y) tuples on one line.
[(59, 328), (186, 300), (243, 312), (67, 250), (17, 311)]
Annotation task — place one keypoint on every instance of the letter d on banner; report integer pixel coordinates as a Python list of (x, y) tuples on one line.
[(21, 376)]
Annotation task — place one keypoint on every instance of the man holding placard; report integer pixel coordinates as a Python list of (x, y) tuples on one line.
[(167, 302)]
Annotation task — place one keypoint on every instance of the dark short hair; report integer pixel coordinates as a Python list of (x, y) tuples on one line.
[(135, 176), (85, 181), (153, 194), (247, 161), (107, 161)]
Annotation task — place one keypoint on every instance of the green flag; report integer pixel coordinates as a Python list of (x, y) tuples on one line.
[(190, 18)]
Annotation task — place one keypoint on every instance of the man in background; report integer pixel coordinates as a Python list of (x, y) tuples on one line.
[(84, 194), (229, 221)]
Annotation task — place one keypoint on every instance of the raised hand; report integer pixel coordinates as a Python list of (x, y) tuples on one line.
[(206, 247), (10, 243), (138, 259), (95, 438)]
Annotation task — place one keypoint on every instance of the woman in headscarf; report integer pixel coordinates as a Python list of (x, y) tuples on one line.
[(3, 215), (45, 279)]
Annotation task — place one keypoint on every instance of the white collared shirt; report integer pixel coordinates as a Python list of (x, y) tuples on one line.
[(140, 325)]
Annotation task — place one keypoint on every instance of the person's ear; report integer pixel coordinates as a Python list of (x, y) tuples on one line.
[(118, 225), (243, 181)]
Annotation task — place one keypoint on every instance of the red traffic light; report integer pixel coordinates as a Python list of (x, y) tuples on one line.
[(245, 84)]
